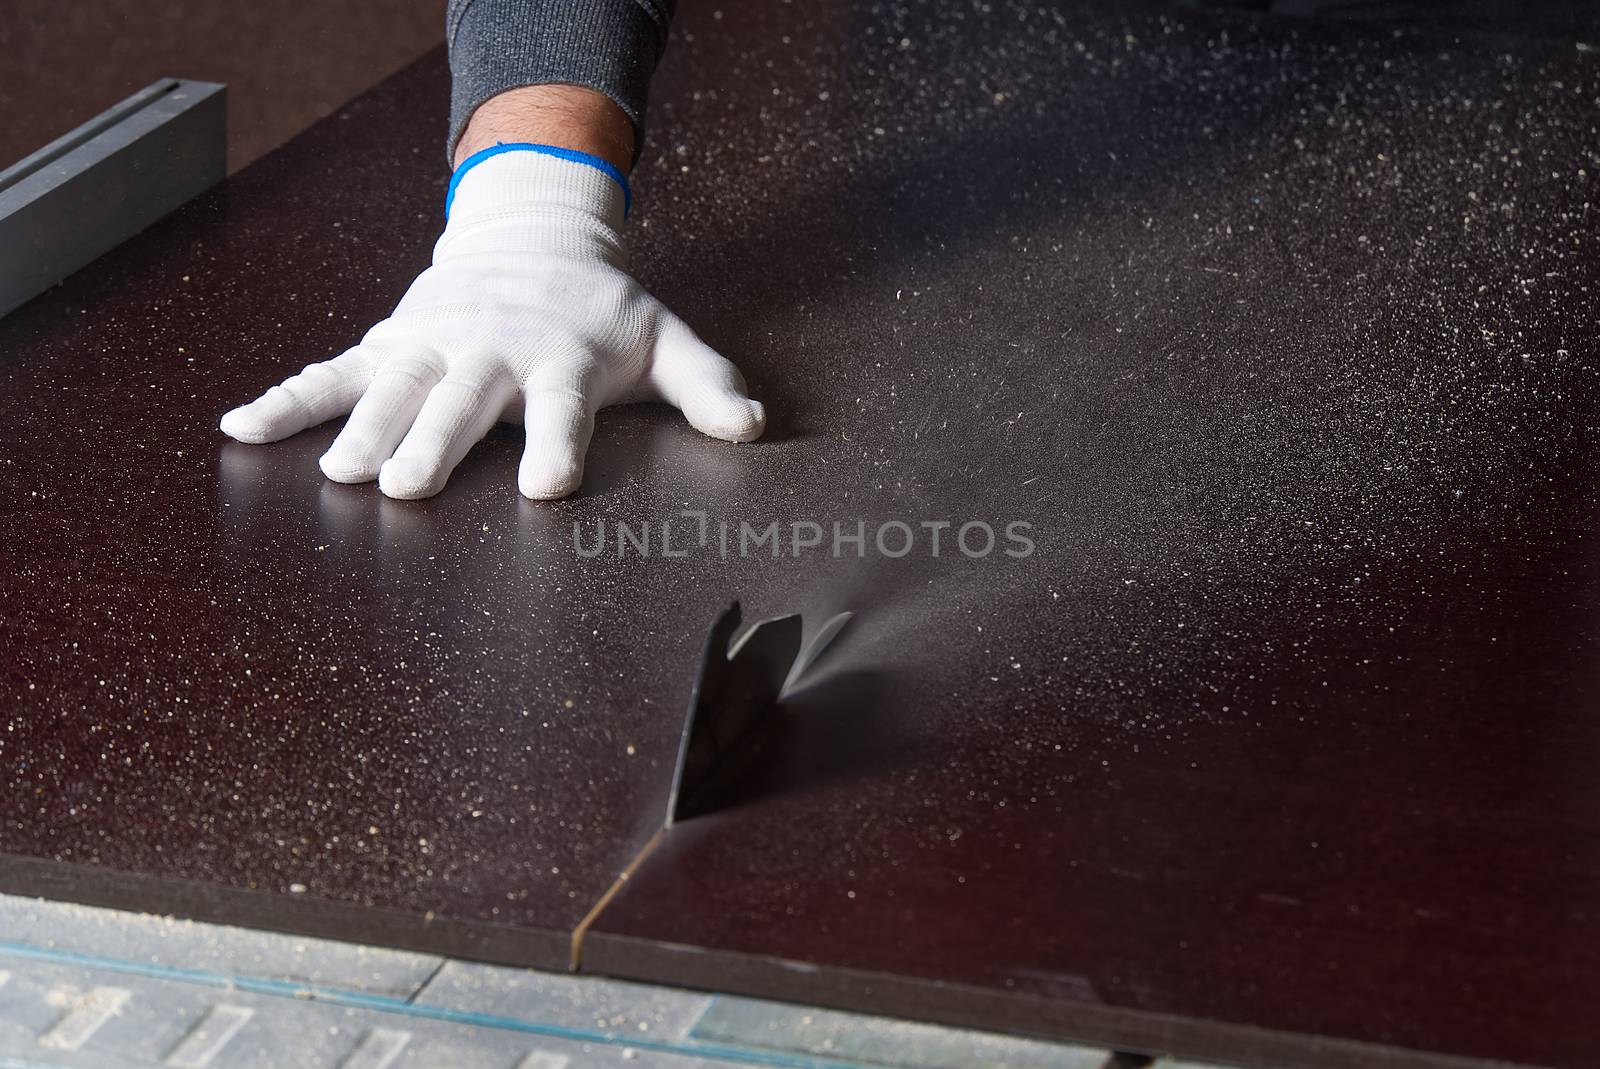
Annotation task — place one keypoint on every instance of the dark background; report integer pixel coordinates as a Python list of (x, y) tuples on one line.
[(286, 64)]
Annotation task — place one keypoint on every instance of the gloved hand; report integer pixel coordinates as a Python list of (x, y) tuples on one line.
[(528, 297)]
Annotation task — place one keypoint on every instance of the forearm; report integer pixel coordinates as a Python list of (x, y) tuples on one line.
[(566, 116), (498, 47)]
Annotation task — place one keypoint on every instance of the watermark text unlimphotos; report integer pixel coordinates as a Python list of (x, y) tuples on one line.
[(696, 533)]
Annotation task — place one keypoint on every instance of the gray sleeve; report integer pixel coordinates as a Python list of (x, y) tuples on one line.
[(607, 45)]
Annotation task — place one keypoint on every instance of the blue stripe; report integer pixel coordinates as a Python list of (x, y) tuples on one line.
[(689, 1046), (571, 155)]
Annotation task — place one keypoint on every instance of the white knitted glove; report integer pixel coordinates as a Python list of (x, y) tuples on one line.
[(528, 295)]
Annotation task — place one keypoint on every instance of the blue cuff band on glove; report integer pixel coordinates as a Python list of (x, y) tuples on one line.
[(571, 155)]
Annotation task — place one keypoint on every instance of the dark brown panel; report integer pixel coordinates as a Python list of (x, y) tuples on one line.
[(1283, 336), (233, 689), (1282, 339)]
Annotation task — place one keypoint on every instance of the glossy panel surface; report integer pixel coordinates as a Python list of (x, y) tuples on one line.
[(235, 689), (1282, 336)]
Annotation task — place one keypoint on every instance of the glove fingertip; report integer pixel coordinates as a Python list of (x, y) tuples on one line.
[(546, 490), (543, 481), (344, 468), (757, 424), (406, 479), (243, 425), (731, 418)]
